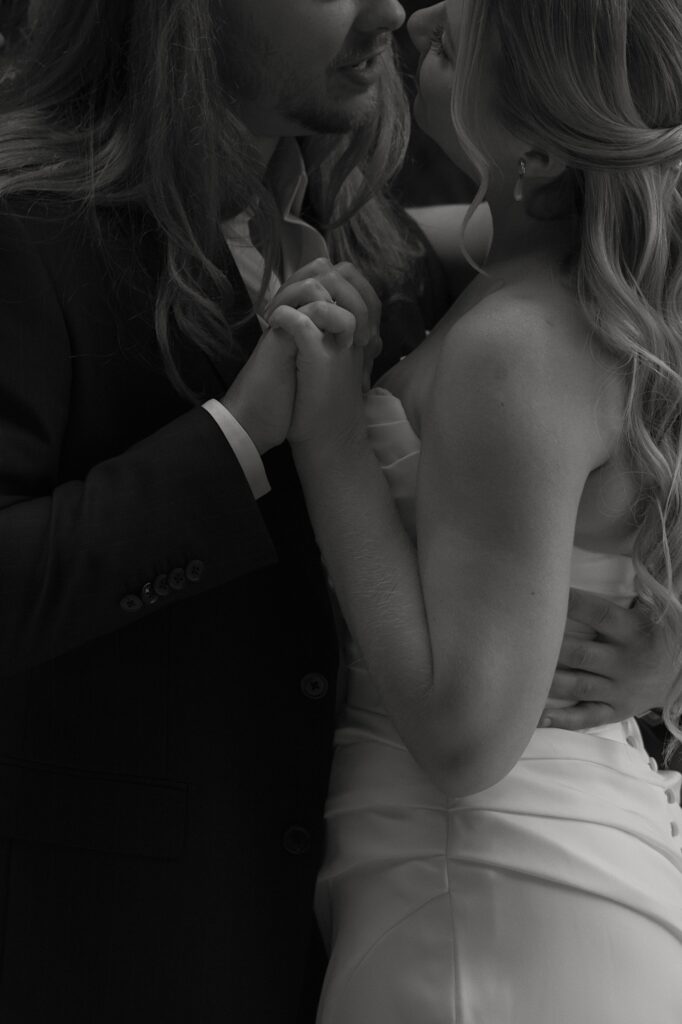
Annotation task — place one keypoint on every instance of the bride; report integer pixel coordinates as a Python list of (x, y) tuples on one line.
[(481, 870)]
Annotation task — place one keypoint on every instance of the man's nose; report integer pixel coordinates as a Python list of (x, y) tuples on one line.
[(422, 24), (380, 16)]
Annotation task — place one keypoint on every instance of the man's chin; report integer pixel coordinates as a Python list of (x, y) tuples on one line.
[(337, 118)]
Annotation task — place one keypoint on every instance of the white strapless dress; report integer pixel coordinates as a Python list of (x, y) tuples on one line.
[(553, 897)]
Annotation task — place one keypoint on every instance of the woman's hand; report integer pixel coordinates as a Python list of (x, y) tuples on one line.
[(303, 379), (627, 669), (340, 283), (329, 372)]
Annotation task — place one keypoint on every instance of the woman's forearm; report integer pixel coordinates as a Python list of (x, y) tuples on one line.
[(438, 700), (374, 567)]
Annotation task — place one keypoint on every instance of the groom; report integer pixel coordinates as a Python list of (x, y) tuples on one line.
[(166, 643)]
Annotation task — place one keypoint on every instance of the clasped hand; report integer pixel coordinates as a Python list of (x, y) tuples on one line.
[(304, 380)]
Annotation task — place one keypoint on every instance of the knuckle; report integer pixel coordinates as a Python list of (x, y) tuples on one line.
[(333, 281), (319, 307), (313, 285)]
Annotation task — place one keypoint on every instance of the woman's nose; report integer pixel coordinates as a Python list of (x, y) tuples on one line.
[(422, 24)]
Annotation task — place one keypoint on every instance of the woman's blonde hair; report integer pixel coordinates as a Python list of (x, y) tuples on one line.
[(120, 103), (598, 83)]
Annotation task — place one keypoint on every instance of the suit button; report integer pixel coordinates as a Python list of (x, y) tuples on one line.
[(297, 840), (148, 594), (674, 829), (161, 585), (130, 603), (314, 686), (194, 570), (177, 579), (670, 796)]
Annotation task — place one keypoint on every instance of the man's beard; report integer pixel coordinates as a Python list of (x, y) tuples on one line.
[(322, 116), (284, 92), (302, 102), (317, 112)]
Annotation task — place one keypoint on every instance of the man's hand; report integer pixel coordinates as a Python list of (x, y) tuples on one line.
[(261, 398), (627, 669)]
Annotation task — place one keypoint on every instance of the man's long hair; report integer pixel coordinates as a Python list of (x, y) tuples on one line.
[(121, 103)]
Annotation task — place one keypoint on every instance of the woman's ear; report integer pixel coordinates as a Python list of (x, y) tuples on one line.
[(542, 166)]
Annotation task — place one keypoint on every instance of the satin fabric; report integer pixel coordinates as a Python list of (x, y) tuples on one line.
[(553, 897)]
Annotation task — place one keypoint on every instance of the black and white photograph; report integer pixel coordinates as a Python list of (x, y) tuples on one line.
[(340, 512)]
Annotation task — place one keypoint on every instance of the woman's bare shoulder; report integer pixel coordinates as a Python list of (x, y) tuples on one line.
[(537, 344), (537, 319)]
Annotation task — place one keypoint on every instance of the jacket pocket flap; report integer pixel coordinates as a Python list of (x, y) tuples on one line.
[(93, 810)]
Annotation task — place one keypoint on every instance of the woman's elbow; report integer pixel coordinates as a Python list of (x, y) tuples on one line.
[(464, 768)]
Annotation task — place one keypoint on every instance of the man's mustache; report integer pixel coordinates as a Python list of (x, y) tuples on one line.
[(351, 57)]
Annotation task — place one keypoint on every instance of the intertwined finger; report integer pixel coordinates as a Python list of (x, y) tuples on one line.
[(333, 320), (341, 283), (294, 326), (298, 293), (314, 322), (579, 687), (585, 655)]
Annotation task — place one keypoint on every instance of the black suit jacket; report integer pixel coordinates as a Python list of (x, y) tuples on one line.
[(163, 765)]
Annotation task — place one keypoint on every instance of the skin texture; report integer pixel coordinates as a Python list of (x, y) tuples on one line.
[(289, 78)]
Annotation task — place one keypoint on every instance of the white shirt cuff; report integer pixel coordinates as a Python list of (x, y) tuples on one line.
[(242, 446)]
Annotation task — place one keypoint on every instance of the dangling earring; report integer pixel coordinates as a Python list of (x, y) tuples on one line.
[(518, 187)]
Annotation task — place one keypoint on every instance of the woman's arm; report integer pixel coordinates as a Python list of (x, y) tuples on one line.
[(463, 637)]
